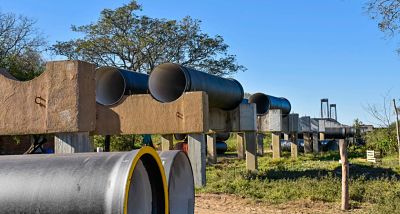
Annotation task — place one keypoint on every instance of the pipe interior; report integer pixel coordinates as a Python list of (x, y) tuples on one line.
[(167, 82), (140, 191), (262, 102), (154, 177), (110, 85), (181, 186)]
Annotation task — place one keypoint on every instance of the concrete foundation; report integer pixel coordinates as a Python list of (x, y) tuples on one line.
[(315, 143), (308, 148), (251, 151), (276, 145), (260, 144), (294, 148), (240, 145), (211, 148)]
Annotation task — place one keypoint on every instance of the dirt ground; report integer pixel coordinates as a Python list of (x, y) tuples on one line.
[(229, 204)]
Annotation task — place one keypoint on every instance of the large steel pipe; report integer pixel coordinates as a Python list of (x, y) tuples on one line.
[(180, 181), (339, 132), (169, 81), (125, 182), (113, 83), (266, 102)]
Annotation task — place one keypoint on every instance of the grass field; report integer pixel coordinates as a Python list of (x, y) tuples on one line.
[(315, 178)]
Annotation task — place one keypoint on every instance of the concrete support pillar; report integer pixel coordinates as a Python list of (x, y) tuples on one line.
[(294, 147), (240, 145), (197, 157), (321, 136), (251, 151), (315, 143), (211, 148), (167, 142), (307, 143), (73, 143), (260, 144), (285, 136), (276, 145)]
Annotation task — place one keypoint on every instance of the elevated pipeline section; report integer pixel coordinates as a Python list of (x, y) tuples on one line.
[(266, 102), (113, 83), (180, 181), (167, 82), (339, 132), (120, 182)]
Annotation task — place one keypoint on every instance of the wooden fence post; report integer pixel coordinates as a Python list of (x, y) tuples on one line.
[(345, 174)]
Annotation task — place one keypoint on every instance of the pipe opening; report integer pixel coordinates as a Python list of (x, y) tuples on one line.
[(151, 193), (181, 185), (262, 102), (140, 191), (110, 85), (167, 82)]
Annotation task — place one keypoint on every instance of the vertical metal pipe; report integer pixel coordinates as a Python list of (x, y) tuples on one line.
[(113, 83), (167, 82)]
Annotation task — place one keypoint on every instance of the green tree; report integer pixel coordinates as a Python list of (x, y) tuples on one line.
[(121, 38), (387, 14), (20, 46), (382, 139)]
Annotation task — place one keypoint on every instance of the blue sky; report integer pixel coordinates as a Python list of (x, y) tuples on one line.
[(302, 50)]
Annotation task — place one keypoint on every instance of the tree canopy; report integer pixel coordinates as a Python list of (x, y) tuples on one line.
[(20, 46), (124, 39), (387, 13)]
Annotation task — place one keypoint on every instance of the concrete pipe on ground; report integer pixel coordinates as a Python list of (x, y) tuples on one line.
[(180, 181), (123, 182), (113, 83), (167, 82), (266, 102)]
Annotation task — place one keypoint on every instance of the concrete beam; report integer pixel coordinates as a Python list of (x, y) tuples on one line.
[(197, 157), (72, 143), (141, 114), (61, 100)]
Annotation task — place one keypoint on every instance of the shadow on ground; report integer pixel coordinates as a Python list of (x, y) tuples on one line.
[(356, 171)]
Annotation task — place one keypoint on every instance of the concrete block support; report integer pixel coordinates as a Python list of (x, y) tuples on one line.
[(307, 143), (276, 145), (315, 143), (251, 151), (260, 144), (197, 157), (240, 145), (294, 147), (285, 136), (211, 148), (167, 142), (72, 143)]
